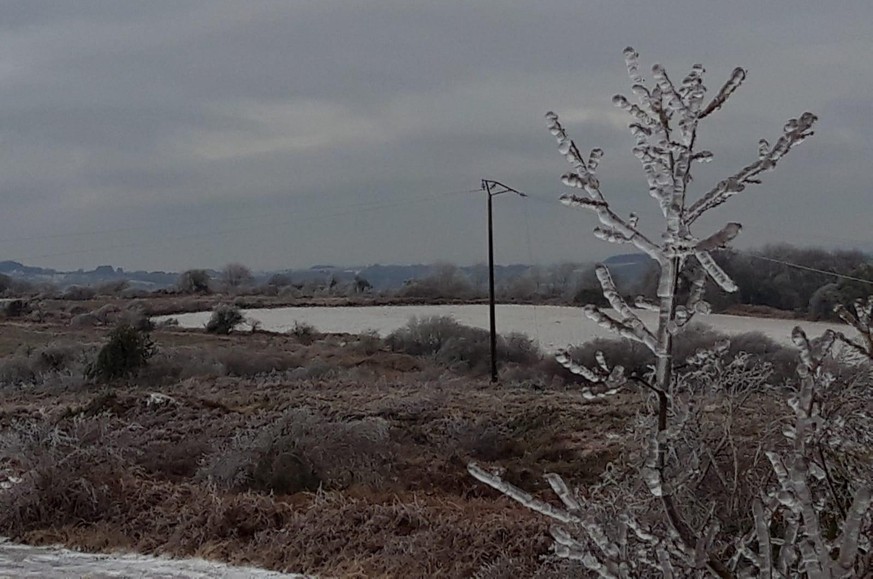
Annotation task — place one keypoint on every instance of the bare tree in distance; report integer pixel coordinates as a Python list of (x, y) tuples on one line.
[(193, 281), (664, 125), (236, 275)]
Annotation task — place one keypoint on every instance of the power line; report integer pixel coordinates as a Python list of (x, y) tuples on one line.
[(807, 268), (204, 221)]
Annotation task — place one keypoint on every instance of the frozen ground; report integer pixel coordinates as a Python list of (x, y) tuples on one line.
[(56, 563), (553, 327)]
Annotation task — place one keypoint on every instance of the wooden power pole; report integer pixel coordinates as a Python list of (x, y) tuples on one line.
[(493, 189)]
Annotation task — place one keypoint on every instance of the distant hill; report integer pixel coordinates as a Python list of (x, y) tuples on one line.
[(15, 269)]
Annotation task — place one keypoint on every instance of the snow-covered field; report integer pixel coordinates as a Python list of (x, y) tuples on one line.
[(553, 327), (56, 563)]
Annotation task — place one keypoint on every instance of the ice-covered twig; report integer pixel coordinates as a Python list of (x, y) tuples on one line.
[(585, 178), (862, 321), (604, 381), (733, 83), (794, 133), (719, 239), (628, 316), (517, 494), (604, 320), (717, 274)]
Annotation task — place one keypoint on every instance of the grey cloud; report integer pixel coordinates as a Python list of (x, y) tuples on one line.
[(271, 121)]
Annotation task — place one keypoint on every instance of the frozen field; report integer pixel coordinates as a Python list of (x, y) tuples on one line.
[(553, 327), (56, 563)]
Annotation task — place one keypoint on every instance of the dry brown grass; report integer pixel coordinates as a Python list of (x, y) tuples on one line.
[(329, 535), (388, 433)]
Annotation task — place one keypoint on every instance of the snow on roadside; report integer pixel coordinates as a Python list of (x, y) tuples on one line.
[(57, 563)]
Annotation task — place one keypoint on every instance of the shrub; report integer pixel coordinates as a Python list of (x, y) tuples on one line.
[(112, 288), (301, 451), (127, 351), (16, 370), (305, 333), (14, 308), (224, 319), (79, 293), (235, 276), (193, 281), (31, 366), (69, 474), (249, 363), (454, 344), (367, 343)]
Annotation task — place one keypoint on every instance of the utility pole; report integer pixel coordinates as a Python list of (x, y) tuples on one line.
[(493, 189)]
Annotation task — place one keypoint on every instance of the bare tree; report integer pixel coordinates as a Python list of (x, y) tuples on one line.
[(235, 276), (664, 125), (193, 281)]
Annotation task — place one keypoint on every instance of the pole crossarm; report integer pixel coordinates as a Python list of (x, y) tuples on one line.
[(495, 188)]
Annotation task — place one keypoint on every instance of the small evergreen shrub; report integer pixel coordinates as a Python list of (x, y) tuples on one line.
[(127, 350)]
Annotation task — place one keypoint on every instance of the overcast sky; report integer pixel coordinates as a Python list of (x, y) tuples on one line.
[(176, 134)]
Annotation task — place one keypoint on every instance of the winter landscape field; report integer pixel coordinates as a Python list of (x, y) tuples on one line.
[(248, 254)]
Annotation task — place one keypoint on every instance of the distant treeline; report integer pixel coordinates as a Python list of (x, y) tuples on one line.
[(804, 282), (765, 279)]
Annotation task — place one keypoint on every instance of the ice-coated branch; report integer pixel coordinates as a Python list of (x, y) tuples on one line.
[(862, 321), (604, 381), (733, 83), (717, 274), (571, 200), (639, 333), (564, 493), (585, 178), (521, 496), (719, 239), (794, 133), (610, 292), (566, 146), (631, 60), (852, 529)]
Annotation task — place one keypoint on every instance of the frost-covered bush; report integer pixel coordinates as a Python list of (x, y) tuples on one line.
[(301, 451), (224, 319), (67, 473), (79, 293), (193, 281), (457, 345), (303, 332), (46, 363)]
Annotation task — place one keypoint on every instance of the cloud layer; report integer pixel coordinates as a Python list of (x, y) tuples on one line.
[(168, 134)]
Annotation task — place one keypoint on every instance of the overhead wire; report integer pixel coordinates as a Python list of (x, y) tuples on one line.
[(813, 269), (353, 209)]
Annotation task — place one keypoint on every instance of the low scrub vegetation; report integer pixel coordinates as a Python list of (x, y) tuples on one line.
[(341, 454), (459, 346), (224, 319), (301, 451)]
